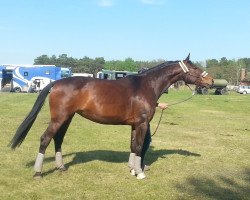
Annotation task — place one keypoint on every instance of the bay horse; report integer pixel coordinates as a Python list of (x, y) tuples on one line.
[(127, 101)]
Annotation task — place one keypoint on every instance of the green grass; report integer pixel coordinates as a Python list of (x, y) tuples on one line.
[(201, 151)]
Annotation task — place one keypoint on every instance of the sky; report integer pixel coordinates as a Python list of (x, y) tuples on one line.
[(143, 30)]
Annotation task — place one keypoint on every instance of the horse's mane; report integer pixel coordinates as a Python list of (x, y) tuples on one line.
[(164, 64)]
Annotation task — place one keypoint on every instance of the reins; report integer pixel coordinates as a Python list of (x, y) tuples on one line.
[(193, 93), (158, 123)]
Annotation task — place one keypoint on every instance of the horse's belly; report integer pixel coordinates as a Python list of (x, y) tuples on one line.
[(105, 118)]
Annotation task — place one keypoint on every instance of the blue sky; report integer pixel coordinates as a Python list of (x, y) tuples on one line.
[(118, 29)]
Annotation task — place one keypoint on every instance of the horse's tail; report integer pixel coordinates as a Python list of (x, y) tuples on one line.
[(25, 126)]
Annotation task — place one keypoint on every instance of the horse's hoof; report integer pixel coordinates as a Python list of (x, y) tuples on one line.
[(132, 172), (61, 169), (38, 175), (141, 176)]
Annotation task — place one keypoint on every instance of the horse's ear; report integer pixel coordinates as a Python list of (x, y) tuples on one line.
[(187, 58)]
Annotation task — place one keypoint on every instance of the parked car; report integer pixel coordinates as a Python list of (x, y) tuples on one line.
[(244, 89)]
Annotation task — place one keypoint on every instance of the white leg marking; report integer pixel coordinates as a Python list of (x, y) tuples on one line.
[(39, 162), (132, 172), (141, 176), (131, 161), (137, 166), (59, 160)]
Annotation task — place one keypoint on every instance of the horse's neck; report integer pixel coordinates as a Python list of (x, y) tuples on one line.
[(160, 80)]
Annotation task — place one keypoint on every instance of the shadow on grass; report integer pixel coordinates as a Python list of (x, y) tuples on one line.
[(113, 156), (221, 188)]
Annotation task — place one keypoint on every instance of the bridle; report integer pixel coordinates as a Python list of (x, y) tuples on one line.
[(186, 71)]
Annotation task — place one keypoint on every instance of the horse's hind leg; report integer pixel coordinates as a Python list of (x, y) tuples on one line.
[(50, 132), (58, 140)]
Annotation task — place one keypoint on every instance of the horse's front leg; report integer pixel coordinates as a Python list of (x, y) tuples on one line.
[(136, 147), (131, 160)]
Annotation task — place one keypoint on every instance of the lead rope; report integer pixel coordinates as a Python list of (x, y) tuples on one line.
[(193, 93)]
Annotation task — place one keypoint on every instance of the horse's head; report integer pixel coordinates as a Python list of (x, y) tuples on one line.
[(194, 75)]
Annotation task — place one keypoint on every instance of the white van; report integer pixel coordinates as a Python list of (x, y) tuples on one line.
[(244, 89)]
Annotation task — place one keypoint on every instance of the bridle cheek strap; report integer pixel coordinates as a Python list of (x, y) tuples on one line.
[(186, 70)]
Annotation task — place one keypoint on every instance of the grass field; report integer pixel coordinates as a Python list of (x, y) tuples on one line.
[(201, 151)]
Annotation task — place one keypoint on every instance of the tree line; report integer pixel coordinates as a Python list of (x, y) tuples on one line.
[(220, 69), (228, 69)]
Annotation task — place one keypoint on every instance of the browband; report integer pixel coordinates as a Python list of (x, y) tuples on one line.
[(204, 74)]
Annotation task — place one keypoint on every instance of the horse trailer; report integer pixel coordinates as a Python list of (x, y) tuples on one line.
[(30, 78), (220, 86), (113, 75)]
